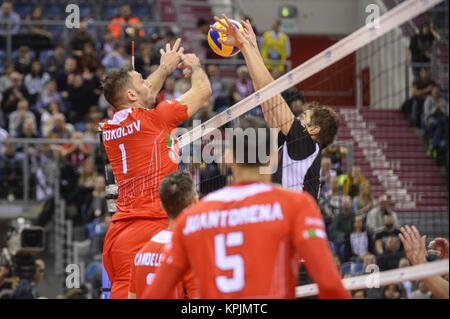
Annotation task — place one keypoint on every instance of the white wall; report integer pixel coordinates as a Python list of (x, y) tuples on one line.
[(313, 16)]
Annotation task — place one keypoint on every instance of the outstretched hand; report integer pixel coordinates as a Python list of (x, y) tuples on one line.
[(415, 246), (170, 58), (189, 61), (440, 244), (234, 36)]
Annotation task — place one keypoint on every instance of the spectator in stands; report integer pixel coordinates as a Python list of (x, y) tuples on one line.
[(330, 203), (421, 89), (200, 41), (391, 256), (364, 202), (28, 130), (392, 291), (420, 46), (45, 168), (382, 236), (421, 292), (49, 95), (5, 79), (18, 117), (336, 153), (219, 86), (125, 24), (342, 227), (64, 77), (275, 47), (434, 106), (353, 181), (108, 44), (88, 173), (168, 92), (88, 61), (114, 60), (60, 128), (326, 173), (144, 59), (13, 95), (80, 97), (37, 33), (295, 100), (95, 204), (56, 61), (359, 294), (359, 240), (47, 118), (169, 37), (22, 63), (82, 36), (11, 173), (36, 80), (76, 152), (243, 84), (407, 284), (374, 220), (9, 16)]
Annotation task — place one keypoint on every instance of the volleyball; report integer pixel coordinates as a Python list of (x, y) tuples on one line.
[(216, 46)]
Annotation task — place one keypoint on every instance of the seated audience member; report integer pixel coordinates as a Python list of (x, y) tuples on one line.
[(145, 58), (409, 285), (359, 294), (47, 118), (18, 117), (126, 17), (95, 205), (364, 202), (393, 291), (76, 153), (168, 92), (243, 86), (391, 255), (434, 106), (60, 128), (421, 292), (35, 81), (421, 89), (65, 76), (56, 60), (13, 95), (50, 94), (326, 173), (219, 86), (22, 63), (342, 227), (370, 264), (115, 59), (359, 240), (336, 154), (88, 61), (11, 173), (82, 36), (5, 79), (382, 236), (353, 181), (374, 220), (330, 203)]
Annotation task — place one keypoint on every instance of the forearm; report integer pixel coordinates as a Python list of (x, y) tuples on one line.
[(439, 287), (276, 111), (158, 77)]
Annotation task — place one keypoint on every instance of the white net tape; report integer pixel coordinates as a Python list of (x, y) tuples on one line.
[(383, 278), (366, 34)]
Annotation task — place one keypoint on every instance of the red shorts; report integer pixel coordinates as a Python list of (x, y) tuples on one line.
[(123, 240)]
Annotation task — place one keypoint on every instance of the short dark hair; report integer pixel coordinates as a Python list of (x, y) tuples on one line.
[(262, 139), (177, 190), (114, 84), (327, 120)]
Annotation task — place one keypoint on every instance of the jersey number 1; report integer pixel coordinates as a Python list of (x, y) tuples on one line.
[(231, 262), (124, 159)]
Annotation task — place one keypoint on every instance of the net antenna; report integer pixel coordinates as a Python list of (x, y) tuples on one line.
[(132, 55)]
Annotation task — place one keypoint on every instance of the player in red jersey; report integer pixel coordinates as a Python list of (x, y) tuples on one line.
[(177, 191), (245, 240), (141, 148)]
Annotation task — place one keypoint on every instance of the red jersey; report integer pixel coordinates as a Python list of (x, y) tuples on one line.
[(245, 240), (142, 150), (147, 261)]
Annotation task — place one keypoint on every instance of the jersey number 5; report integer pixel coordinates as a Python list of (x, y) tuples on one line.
[(124, 159), (231, 262)]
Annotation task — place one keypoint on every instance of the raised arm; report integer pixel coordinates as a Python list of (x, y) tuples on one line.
[(170, 59), (276, 111), (200, 90)]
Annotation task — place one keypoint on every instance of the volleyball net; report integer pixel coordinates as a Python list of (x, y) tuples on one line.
[(365, 78)]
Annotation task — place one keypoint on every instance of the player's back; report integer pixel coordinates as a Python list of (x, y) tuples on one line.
[(147, 261), (142, 151), (240, 240)]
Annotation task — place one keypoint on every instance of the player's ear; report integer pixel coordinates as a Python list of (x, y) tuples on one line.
[(314, 130), (131, 95), (195, 199)]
